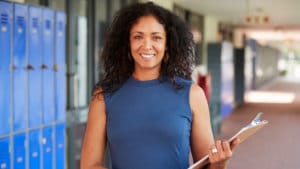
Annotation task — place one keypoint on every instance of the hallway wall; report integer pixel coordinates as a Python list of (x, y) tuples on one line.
[(266, 64)]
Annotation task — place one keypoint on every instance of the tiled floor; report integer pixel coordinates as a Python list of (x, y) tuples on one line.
[(276, 146)]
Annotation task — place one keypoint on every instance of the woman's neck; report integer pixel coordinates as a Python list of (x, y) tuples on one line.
[(145, 75)]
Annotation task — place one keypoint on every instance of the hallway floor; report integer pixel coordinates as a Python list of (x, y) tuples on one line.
[(276, 146)]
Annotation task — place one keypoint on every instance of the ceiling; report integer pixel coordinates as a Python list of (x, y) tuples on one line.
[(282, 23), (280, 12)]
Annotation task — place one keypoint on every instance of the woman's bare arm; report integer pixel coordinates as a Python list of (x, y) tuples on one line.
[(201, 133), (202, 141), (94, 143)]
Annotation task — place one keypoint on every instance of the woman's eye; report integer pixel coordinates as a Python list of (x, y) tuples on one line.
[(157, 38), (137, 37)]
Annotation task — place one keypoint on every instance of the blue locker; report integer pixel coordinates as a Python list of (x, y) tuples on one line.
[(47, 148), (34, 62), (19, 62), (19, 151), (5, 102), (60, 145), (48, 63), (4, 153), (60, 31), (5, 61), (34, 149), (60, 52), (5, 34)]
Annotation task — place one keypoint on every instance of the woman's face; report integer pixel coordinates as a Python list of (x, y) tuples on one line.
[(147, 43)]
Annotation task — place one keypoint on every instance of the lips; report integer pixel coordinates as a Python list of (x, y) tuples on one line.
[(147, 56)]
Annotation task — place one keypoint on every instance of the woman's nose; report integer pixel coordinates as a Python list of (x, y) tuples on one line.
[(147, 43)]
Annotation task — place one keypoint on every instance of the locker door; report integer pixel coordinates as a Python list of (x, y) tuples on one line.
[(34, 149), (60, 146), (47, 148), (5, 61), (19, 53), (19, 151), (60, 80), (34, 71), (5, 34), (5, 102), (48, 62), (4, 153)]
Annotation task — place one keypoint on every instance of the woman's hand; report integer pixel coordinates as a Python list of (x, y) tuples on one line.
[(221, 152)]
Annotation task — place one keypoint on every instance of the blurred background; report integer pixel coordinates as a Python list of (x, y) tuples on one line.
[(247, 61)]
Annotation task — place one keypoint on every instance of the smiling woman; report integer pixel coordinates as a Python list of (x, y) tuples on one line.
[(146, 109)]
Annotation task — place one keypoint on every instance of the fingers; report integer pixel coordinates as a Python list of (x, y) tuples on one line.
[(220, 152), (234, 143), (227, 149)]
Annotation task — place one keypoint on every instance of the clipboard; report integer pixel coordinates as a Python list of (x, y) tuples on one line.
[(245, 132)]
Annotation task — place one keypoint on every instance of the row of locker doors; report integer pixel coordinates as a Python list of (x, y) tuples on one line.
[(41, 148), (32, 66)]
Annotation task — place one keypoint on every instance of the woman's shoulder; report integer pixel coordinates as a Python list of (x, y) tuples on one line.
[(183, 81), (195, 90)]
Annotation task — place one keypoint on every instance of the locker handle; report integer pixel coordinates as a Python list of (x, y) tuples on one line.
[(30, 67), (55, 67), (43, 66)]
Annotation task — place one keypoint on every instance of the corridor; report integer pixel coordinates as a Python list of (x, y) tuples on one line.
[(276, 145)]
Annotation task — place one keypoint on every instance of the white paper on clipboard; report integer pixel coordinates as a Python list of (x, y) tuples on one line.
[(255, 125)]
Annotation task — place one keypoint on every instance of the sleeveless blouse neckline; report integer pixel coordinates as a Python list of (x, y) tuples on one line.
[(145, 83)]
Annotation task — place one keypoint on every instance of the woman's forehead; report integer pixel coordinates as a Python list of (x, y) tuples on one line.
[(147, 23)]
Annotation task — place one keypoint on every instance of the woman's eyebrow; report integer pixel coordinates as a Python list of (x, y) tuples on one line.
[(139, 32), (157, 33)]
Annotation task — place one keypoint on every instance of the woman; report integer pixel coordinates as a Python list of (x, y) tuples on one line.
[(146, 109)]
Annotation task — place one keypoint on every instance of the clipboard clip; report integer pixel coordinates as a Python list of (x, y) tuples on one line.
[(256, 120)]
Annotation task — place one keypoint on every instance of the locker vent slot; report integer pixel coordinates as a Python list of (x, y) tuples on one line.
[(20, 20), (4, 18), (35, 23), (60, 26), (48, 24)]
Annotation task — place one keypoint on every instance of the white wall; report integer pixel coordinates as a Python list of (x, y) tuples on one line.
[(210, 33), (266, 64), (238, 38), (19, 1)]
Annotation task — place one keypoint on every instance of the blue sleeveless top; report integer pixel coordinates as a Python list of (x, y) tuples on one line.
[(149, 124)]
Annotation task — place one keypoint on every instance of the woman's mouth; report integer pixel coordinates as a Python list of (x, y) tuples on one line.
[(147, 56)]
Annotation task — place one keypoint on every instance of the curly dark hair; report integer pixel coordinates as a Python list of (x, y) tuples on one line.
[(118, 67)]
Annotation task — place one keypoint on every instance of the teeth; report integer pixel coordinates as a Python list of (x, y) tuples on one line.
[(147, 55)]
